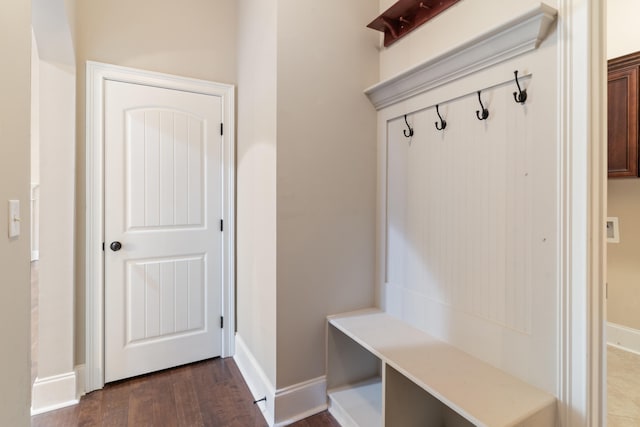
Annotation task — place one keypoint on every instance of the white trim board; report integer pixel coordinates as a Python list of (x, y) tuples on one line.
[(286, 405), (80, 381), (300, 401), (257, 381), (583, 182), (623, 337), (97, 74), (354, 406), (51, 393)]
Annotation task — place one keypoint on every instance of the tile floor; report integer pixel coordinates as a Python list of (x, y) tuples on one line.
[(623, 388)]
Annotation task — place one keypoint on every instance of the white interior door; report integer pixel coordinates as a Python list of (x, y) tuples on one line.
[(163, 240)]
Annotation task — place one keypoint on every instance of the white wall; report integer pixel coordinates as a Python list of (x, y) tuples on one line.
[(326, 175), (70, 10), (35, 149), (15, 49), (192, 39), (57, 218), (35, 112), (469, 18), (622, 27), (53, 142), (306, 183), (50, 20), (623, 269), (256, 181), (471, 253)]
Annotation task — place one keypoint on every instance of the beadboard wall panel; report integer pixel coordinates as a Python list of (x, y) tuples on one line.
[(469, 248), (463, 200)]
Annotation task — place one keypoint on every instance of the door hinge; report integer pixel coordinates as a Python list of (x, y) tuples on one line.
[(221, 128), (221, 225), (221, 322)]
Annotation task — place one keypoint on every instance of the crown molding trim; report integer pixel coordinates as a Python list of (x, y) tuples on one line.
[(519, 35)]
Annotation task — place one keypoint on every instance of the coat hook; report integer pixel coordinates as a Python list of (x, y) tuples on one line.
[(485, 112), (443, 123), (520, 96), (410, 133), (424, 6)]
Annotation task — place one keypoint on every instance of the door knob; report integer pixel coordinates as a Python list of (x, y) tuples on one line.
[(115, 246)]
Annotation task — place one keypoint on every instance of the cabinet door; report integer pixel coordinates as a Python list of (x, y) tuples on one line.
[(623, 122)]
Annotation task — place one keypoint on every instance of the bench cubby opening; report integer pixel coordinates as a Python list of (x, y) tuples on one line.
[(382, 372)]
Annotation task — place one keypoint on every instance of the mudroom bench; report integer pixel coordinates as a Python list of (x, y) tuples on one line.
[(383, 372)]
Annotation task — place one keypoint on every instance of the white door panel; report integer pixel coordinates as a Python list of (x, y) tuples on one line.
[(163, 203)]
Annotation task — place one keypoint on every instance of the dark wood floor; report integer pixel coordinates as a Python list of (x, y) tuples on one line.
[(209, 394)]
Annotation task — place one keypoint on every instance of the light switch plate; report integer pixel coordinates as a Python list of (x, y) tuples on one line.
[(14, 218)]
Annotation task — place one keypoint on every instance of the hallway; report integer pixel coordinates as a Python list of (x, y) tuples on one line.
[(211, 393)]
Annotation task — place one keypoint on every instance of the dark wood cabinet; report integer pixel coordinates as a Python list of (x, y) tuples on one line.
[(622, 123)]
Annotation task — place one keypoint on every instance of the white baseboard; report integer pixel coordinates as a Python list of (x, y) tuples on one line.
[(286, 405), (300, 401), (80, 381), (623, 337), (341, 415), (256, 380), (53, 393)]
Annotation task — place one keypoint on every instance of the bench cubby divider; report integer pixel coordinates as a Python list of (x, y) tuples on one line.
[(382, 371)]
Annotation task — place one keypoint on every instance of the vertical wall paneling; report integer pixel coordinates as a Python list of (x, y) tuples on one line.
[(459, 215), (469, 244)]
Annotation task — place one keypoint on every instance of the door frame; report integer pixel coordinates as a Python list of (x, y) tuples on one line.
[(96, 74)]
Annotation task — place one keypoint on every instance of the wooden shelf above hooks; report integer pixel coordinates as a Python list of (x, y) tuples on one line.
[(406, 15)]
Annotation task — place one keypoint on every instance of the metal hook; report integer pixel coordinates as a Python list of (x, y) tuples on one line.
[(521, 95), (410, 134), (485, 112), (443, 123)]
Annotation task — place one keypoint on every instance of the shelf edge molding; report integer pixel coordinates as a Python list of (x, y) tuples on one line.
[(519, 35)]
